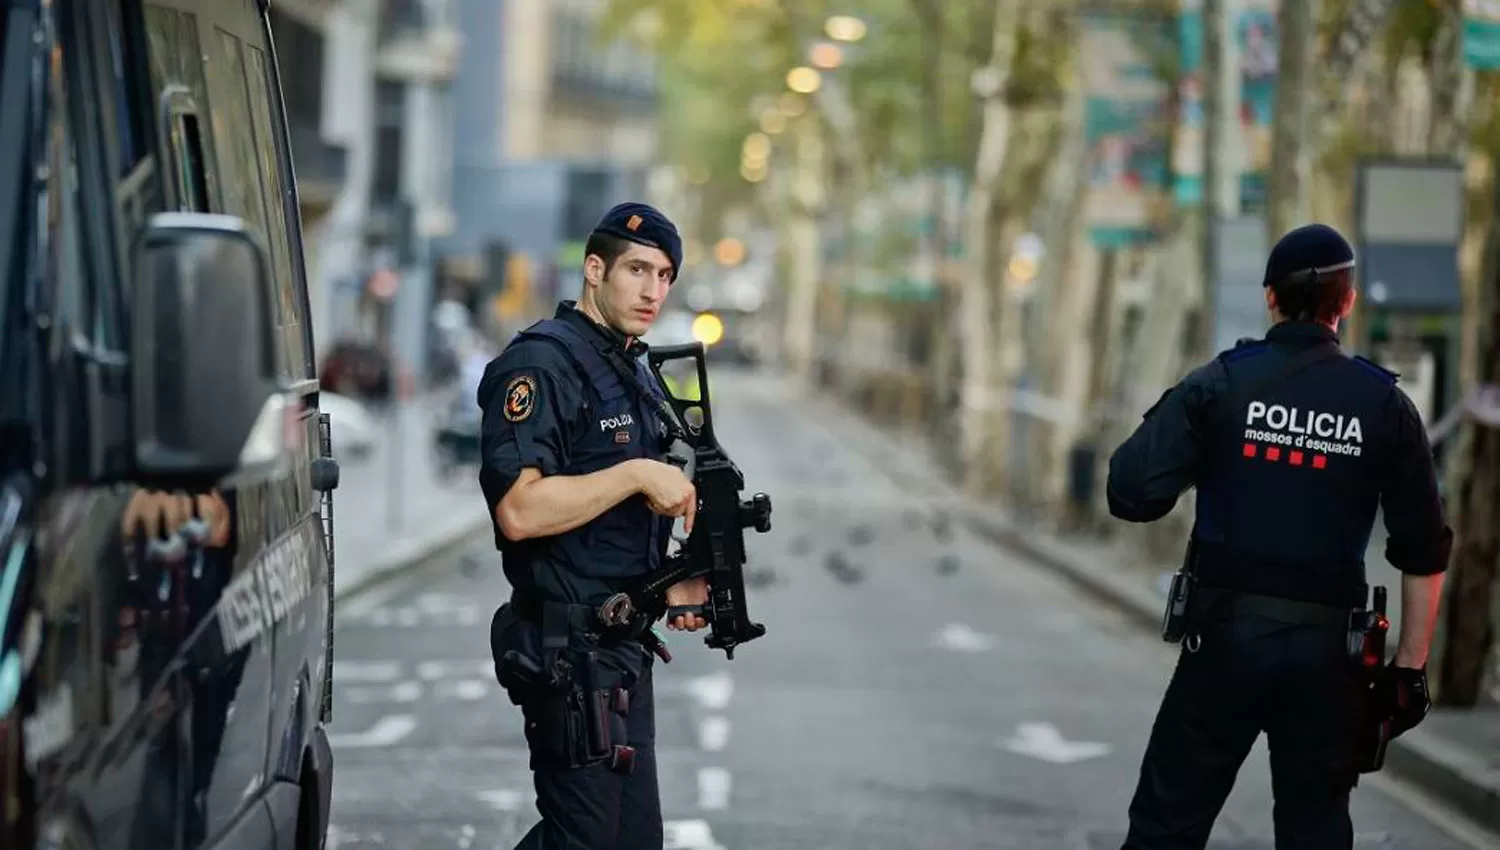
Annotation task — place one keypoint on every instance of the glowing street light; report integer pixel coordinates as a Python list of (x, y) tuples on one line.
[(803, 80), (757, 146), (844, 28), (729, 251), (826, 55), (773, 121), (753, 172)]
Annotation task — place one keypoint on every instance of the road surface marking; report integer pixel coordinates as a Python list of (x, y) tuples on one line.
[(366, 671), (468, 690), (387, 731), (432, 670), (713, 690), (401, 692), (713, 788), (960, 638), (713, 733), (1043, 741), (502, 799), (688, 835)]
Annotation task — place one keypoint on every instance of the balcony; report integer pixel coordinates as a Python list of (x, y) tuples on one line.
[(417, 41)]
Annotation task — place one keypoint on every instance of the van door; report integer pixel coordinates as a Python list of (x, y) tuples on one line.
[(209, 165)]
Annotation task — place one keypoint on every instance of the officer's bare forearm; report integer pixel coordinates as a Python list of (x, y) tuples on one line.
[(1420, 597), (542, 506)]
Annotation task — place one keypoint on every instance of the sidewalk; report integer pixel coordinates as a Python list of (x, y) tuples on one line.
[(1454, 755), (389, 517)]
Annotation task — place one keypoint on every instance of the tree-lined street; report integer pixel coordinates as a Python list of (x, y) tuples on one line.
[(917, 687)]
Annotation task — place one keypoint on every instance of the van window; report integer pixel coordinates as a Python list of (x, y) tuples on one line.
[(176, 58), (258, 81), (229, 83)]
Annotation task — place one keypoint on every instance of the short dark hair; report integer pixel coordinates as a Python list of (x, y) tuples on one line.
[(606, 247), (1310, 296)]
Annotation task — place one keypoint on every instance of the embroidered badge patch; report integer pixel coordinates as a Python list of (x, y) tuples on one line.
[(520, 398)]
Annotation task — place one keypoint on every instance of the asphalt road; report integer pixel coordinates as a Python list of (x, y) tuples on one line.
[(917, 688)]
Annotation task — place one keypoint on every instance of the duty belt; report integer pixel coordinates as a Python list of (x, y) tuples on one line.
[(1209, 604)]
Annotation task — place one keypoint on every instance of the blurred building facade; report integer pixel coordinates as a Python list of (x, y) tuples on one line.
[(555, 121), (387, 68)]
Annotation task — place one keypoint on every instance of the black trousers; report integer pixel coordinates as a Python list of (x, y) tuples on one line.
[(594, 808), (1250, 675)]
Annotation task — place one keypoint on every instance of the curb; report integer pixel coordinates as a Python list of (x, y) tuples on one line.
[(446, 541), (1449, 772), (1442, 768)]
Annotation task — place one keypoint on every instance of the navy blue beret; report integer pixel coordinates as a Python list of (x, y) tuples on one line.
[(642, 224), (1312, 246)]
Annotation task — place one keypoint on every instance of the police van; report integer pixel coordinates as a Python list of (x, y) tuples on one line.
[(166, 563)]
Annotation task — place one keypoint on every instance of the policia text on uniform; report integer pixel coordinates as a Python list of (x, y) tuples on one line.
[(1292, 446), (586, 462)]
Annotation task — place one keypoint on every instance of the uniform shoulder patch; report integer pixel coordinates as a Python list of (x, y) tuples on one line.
[(1376, 369), (520, 398)]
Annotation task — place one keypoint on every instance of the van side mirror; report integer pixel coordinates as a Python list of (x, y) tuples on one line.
[(206, 400)]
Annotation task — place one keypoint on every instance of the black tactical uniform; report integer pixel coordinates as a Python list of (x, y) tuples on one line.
[(553, 400), (1289, 481)]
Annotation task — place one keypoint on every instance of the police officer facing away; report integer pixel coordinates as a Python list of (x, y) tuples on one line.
[(581, 507), (1289, 480)]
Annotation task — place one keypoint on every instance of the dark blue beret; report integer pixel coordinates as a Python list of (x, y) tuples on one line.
[(642, 224), (1312, 246)]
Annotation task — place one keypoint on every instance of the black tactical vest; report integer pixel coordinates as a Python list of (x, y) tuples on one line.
[(628, 539), (1291, 481)]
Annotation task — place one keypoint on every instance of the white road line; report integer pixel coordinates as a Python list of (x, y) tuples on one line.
[(688, 835), (429, 671), (502, 799), (713, 733), (713, 690), (713, 788), (387, 731), (468, 690), (366, 671), (401, 692), (961, 638)]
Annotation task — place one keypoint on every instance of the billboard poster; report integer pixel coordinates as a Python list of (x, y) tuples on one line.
[(1127, 120), (1254, 31), (1482, 34)]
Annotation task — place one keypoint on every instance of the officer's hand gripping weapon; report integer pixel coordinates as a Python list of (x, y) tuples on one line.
[(716, 546)]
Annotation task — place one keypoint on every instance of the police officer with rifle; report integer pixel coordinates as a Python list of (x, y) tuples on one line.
[(1292, 446), (586, 463)]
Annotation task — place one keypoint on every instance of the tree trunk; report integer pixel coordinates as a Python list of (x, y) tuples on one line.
[(1287, 206), (1476, 558), (975, 293)]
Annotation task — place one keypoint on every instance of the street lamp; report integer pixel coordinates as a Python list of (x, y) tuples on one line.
[(803, 80), (844, 28), (826, 55)]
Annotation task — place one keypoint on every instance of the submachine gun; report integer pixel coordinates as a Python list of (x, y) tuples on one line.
[(716, 546)]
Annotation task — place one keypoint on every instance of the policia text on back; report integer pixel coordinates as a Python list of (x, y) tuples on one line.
[(1292, 448)]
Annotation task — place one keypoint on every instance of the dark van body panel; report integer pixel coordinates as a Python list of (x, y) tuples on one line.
[(163, 655)]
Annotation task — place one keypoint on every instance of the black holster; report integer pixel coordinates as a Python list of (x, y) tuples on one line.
[(575, 693), (1174, 620), (1366, 648)]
